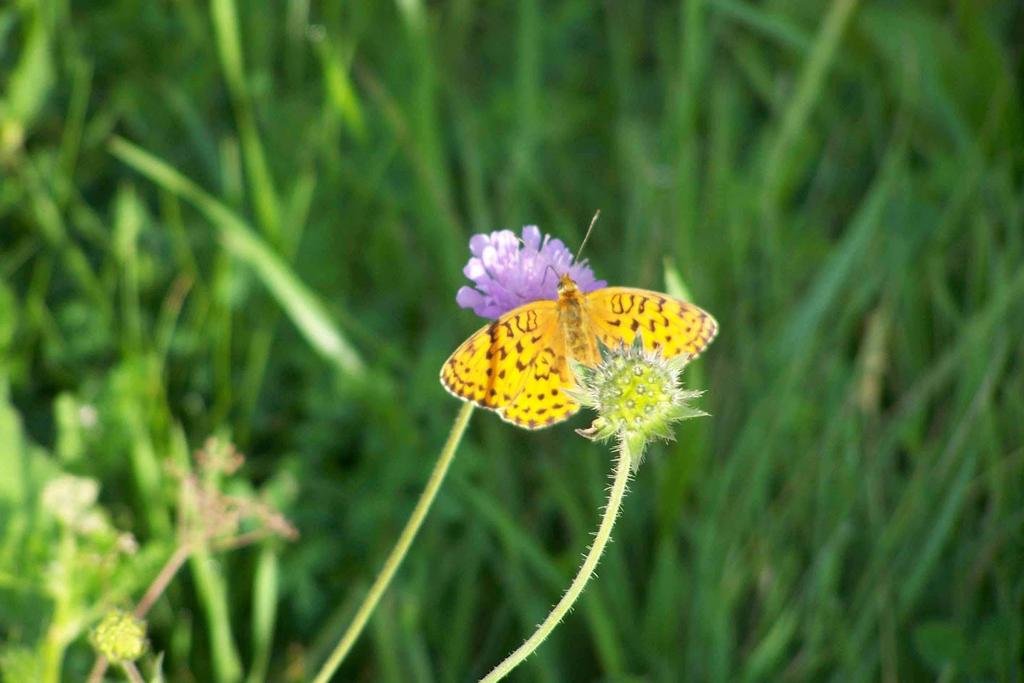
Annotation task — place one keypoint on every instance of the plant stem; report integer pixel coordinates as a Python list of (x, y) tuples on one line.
[(153, 593), (163, 579), (604, 533), (387, 572), (160, 583), (132, 672)]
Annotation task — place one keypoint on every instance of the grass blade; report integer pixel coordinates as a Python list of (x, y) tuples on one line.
[(298, 302)]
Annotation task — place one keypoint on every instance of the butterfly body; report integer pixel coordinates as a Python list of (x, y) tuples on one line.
[(572, 317), (519, 364)]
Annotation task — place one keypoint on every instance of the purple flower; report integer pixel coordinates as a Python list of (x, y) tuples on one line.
[(507, 273)]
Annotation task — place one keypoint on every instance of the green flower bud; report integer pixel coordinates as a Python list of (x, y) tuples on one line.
[(120, 637), (637, 396)]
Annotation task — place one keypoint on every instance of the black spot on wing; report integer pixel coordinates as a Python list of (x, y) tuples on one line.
[(622, 303)]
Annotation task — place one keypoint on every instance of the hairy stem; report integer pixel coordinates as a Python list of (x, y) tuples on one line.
[(604, 533), (387, 572)]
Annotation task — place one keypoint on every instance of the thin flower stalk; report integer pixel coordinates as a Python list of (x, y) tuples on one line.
[(623, 469), (405, 539)]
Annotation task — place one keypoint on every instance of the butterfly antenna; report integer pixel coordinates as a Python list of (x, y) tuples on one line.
[(587, 236), (546, 269)]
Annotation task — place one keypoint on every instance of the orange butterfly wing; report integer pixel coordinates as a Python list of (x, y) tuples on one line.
[(516, 366), (541, 402), (617, 314)]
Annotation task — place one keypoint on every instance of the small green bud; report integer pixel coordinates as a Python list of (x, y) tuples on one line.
[(637, 396), (120, 637)]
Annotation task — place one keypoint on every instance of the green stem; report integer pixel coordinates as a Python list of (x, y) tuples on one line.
[(387, 572), (604, 533)]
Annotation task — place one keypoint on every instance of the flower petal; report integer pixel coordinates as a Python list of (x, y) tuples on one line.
[(508, 272)]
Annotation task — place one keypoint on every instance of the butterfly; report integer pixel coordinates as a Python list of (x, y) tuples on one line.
[(519, 364)]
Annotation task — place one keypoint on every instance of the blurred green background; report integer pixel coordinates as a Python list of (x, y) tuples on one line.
[(248, 220)]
